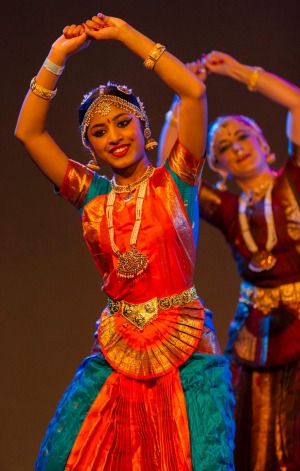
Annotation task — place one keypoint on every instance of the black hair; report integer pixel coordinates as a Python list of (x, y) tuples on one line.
[(109, 89)]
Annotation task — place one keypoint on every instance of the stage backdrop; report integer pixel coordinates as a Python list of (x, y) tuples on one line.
[(50, 289)]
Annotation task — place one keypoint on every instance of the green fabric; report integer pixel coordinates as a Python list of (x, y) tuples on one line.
[(71, 411), (206, 382)]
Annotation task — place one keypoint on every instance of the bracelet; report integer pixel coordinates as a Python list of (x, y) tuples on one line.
[(40, 91), (252, 79), (154, 55), (169, 118), (53, 68)]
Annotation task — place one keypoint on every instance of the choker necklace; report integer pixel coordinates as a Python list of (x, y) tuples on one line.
[(259, 191), (131, 263), (261, 259)]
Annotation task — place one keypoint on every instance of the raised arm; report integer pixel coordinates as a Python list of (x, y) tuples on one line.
[(31, 127), (171, 129), (273, 87), (193, 113)]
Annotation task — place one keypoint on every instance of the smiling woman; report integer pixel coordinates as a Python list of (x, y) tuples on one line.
[(262, 229), (155, 394), (111, 133)]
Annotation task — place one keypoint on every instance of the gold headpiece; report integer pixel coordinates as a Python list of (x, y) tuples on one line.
[(102, 105), (220, 125)]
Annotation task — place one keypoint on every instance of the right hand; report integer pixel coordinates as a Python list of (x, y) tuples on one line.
[(73, 40), (198, 68)]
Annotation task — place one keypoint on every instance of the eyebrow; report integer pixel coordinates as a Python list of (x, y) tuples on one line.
[(235, 133), (97, 125)]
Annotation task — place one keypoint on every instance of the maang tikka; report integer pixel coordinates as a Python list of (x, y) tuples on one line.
[(102, 105)]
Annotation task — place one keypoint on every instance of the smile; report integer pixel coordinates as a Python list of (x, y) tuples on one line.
[(243, 157), (119, 151)]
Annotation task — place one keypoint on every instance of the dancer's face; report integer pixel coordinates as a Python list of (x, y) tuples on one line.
[(239, 151), (117, 139)]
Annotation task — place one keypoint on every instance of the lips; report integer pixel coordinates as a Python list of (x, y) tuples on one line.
[(243, 157), (119, 151)]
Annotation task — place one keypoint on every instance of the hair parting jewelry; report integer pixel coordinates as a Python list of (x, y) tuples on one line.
[(102, 105), (154, 55), (253, 77), (53, 68), (40, 91)]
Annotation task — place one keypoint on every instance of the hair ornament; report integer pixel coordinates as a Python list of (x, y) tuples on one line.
[(102, 105)]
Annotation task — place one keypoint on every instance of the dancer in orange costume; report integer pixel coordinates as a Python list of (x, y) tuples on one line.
[(155, 394)]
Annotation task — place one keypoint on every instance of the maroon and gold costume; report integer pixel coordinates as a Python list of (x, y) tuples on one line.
[(264, 336)]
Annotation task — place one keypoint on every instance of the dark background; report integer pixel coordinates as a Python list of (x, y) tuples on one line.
[(50, 289)]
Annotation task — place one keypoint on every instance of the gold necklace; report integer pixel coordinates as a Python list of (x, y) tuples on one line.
[(131, 263), (131, 186), (261, 259), (259, 191)]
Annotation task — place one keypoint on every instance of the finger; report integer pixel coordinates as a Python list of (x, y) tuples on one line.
[(104, 19), (78, 30), (69, 31), (94, 25), (92, 33)]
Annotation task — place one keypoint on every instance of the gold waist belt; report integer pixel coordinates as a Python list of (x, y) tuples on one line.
[(266, 299), (143, 313)]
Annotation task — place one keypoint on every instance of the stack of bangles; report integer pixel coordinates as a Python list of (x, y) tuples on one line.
[(154, 55), (40, 91)]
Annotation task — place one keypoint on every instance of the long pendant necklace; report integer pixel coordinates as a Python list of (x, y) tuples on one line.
[(261, 259), (131, 263)]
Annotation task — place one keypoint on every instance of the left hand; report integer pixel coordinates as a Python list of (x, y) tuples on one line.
[(217, 62), (103, 27)]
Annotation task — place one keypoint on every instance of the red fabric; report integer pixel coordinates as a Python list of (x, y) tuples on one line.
[(164, 220), (140, 425)]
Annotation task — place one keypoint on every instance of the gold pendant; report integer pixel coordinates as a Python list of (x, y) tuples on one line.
[(262, 260), (131, 263), (140, 314)]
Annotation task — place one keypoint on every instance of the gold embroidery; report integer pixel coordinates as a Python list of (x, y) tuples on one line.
[(266, 299), (141, 314)]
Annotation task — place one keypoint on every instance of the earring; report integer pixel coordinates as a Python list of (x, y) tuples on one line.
[(221, 184), (150, 143), (93, 164)]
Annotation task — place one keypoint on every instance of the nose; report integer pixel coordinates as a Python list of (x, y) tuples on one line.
[(237, 147), (115, 135)]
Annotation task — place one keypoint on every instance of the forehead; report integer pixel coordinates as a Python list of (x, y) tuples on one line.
[(229, 129), (105, 115)]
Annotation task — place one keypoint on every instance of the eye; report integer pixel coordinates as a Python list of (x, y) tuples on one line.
[(99, 133), (243, 136), (224, 148), (124, 122)]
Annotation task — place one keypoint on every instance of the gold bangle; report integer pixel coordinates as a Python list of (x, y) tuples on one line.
[(170, 118), (40, 91), (252, 79), (154, 55)]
